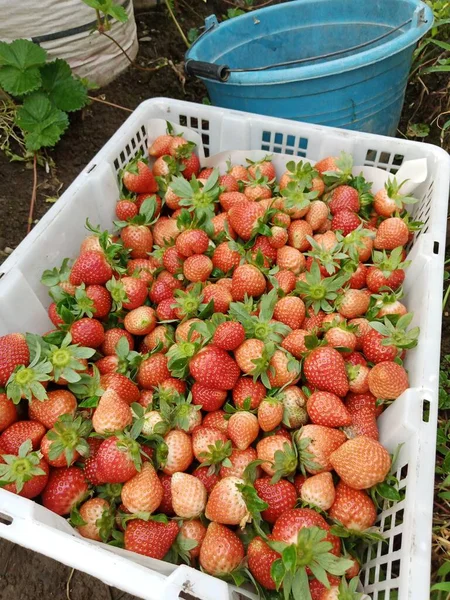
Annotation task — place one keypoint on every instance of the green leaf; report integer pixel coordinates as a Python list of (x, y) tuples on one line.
[(42, 123), (289, 557), (118, 12), (64, 91), (418, 130), (19, 66), (277, 572)]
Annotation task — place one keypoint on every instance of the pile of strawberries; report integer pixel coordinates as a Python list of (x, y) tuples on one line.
[(211, 389)]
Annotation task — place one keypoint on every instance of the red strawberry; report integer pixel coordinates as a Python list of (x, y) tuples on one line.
[(243, 429), (193, 530), (143, 492), (25, 474), (233, 198), (114, 458), (8, 412), (290, 259), (13, 352), (345, 221), (391, 233), (126, 210), (150, 538), (153, 371), (228, 183), (220, 296), (90, 268), (209, 479), (87, 332), (192, 241), (112, 337), (361, 462), (188, 495), (138, 239), (208, 398), (224, 258), (161, 145), (191, 165), (325, 408), (18, 433), (166, 502), (319, 490), (278, 455), (247, 280), (387, 380), (240, 459), (358, 277), (279, 237), (356, 402), (374, 350), (262, 246), (353, 508), (376, 279), (270, 413), (260, 558), (138, 178), (298, 231), (294, 342), (217, 420), (140, 321), (324, 369), (290, 310), (244, 217), (197, 267), (292, 521), (319, 592), (315, 444), (205, 444), (229, 335), (173, 260), (280, 496), (344, 197), (53, 315), (222, 551), (123, 386), (47, 412), (214, 368), (263, 168), (93, 514), (179, 452), (353, 303), (226, 503), (64, 490), (247, 389), (101, 299)]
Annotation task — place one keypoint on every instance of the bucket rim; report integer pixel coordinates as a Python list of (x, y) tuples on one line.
[(324, 69)]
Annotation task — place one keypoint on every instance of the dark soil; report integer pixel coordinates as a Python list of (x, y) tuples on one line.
[(25, 575)]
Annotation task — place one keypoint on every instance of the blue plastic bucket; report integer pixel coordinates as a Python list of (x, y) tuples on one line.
[(361, 88)]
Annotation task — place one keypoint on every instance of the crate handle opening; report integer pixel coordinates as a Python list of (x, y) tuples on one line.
[(5, 519)]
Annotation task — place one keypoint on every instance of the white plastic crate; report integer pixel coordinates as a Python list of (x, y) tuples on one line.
[(397, 570)]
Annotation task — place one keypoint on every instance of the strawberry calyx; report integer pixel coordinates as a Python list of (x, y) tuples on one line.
[(185, 150), (393, 188), (382, 300), (110, 491), (351, 537), (389, 263), (297, 194), (180, 355), (354, 240), (395, 332), (127, 443), (181, 549), (196, 197), (26, 381), (190, 303), (21, 468), (311, 550), (55, 276), (69, 436), (88, 389), (305, 458), (343, 174), (285, 462), (114, 251), (217, 456), (302, 172), (328, 258), (146, 214), (320, 293), (255, 505), (364, 189), (118, 294), (267, 158), (261, 326), (190, 220), (65, 359)]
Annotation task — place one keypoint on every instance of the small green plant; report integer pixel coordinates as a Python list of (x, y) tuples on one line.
[(106, 10)]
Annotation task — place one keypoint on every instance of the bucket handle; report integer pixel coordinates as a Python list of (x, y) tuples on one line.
[(206, 70)]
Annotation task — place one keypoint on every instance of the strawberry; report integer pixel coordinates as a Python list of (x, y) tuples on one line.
[(313, 322), (161, 335), (91, 242), (96, 515), (18, 433), (193, 530), (222, 228), (248, 352), (229, 335), (150, 538), (216, 419), (353, 303), (232, 198), (188, 495), (197, 267), (358, 378), (374, 349), (179, 452), (243, 429), (298, 232), (391, 233), (192, 241), (278, 455), (319, 491), (47, 412), (112, 338), (13, 352), (219, 295), (361, 462), (191, 164), (294, 342), (53, 315), (224, 258), (214, 368), (319, 592), (140, 321), (246, 391), (341, 337), (345, 221), (138, 239), (386, 272), (165, 311), (257, 190), (208, 478), (357, 402), (153, 371), (90, 268), (387, 380), (8, 412), (112, 413), (290, 310), (116, 459), (239, 172), (279, 496), (290, 259), (138, 178), (270, 413), (260, 558), (354, 509), (143, 492), (344, 197), (279, 237), (185, 333), (126, 210), (208, 398), (172, 260), (317, 214), (281, 219), (64, 490), (222, 551), (178, 142), (315, 444), (228, 183), (166, 502), (358, 277), (325, 408), (165, 231), (244, 218), (101, 300), (161, 145), (262, 168), (226, 503), (388, 200), (247, 280), (25, 474), (239, 459), (283, 369), (324, 368), (362, 326), (286, 281), (87, 332)]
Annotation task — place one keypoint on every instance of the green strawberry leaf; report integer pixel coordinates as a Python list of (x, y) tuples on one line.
[(63, 89), (42, 123), (19, 66)]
